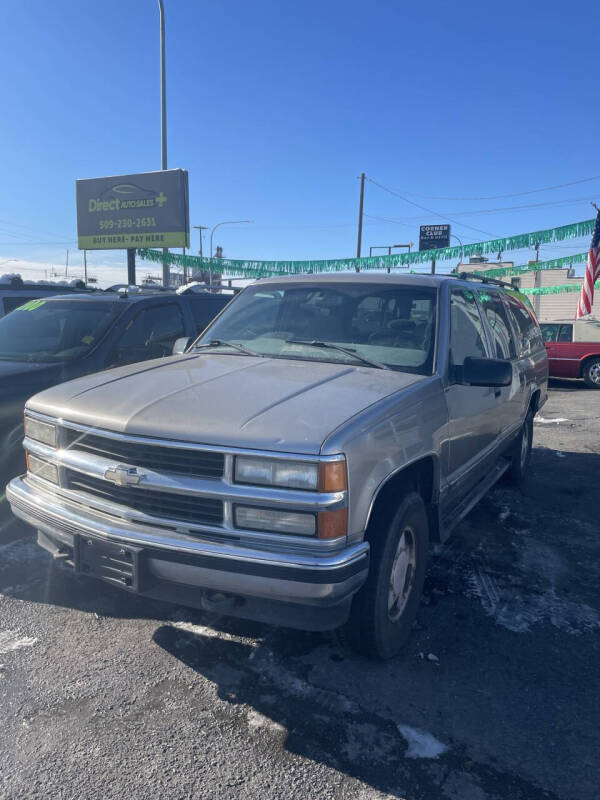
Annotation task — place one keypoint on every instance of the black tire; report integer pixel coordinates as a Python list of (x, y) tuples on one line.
[(591, 373), (521, 453), (375, 629)]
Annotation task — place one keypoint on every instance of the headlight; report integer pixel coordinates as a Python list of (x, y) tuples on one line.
[(266, 519), (276, 472), (326, 476), (40, 431), (42, 469)]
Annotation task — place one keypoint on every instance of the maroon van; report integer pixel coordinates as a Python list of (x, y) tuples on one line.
[(574, 349)]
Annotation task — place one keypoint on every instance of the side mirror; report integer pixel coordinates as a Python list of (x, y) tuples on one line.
[(180, 345), (486, 372)]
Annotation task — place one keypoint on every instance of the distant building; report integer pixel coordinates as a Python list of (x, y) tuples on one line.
[(548, 307)]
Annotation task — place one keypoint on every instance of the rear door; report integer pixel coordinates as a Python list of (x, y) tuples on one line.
[(472, 410), (511, 399), (530, 348), (150, 333)]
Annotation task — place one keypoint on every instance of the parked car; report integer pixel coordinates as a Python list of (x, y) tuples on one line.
[(54, 339), (15, 292), (294, 464), (574, 349)]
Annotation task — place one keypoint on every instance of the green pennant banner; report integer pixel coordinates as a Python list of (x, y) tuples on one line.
[(262, 269), (554, 263), (566, 287)]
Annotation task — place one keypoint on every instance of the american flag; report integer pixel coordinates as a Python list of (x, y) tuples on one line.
[(592, 274)]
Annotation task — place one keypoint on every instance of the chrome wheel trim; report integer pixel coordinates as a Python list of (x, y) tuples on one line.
[(524, 445), (402, 576), (594, 372)]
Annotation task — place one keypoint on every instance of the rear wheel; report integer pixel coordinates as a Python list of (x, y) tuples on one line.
[(521, 454), (591, 373), (384, 609)]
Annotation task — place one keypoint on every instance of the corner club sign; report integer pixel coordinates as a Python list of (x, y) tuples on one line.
[(150, 209), (432, 237)]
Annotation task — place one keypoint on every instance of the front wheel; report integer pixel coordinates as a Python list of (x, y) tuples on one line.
[(591, 373), (384, 609)]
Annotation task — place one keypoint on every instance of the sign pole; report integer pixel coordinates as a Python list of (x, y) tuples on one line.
[(360, 216), (131, 266), (163, 118), (433, 266)]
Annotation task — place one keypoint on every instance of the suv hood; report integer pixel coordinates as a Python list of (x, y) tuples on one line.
[(231, 400)]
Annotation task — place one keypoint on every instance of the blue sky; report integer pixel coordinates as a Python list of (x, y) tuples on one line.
[(276, 107)]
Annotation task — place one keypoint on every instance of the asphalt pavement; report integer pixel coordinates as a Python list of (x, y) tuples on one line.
[(106, 695)]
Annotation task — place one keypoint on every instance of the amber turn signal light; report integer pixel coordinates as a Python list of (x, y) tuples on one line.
[(333, 524), (332, 476)]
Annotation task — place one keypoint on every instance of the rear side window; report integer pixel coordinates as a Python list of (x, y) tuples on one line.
[(496, 315), (467, 335), (530, 336), (565, 334), (151, 334)]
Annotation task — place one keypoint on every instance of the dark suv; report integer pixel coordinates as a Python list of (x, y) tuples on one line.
[(50, 340)]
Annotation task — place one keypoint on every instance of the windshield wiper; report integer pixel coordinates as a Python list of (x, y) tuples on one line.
[(350, 351), (222, 342)]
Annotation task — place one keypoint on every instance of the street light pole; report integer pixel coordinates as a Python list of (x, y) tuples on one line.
[(163, 119), (214, 228), (227, 222)]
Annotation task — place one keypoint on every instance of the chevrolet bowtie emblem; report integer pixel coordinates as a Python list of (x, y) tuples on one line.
[(123, 476)]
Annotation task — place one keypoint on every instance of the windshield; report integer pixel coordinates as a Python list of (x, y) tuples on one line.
[(390, 325), (54, 330)]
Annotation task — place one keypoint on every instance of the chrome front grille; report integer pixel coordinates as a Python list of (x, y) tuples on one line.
[(178, 460), (188, 508)]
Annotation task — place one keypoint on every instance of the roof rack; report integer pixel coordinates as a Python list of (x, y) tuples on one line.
[(475, 276)]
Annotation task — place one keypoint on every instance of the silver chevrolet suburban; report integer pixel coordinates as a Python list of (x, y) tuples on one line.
[(292, 464)]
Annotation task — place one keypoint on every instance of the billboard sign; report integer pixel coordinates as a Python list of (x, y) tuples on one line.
[(432, 237), (150, 209)]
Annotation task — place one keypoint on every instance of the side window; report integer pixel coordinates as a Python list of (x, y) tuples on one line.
[(549, 332), (150, 334), (497, 319), (530, 338), (565, 333), (467, 335)]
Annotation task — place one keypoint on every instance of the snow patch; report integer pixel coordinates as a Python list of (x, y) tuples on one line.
[(546, 421), (421, 744), (204, 630), (258, 721), (11, 640)]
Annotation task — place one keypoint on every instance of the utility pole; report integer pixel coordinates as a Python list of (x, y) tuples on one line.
[(163, 116), (200, 228), (433, 266), (360, 217), (67, 264)]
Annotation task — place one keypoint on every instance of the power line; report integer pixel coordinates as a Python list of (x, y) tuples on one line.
[(430, 211), (573, 201), (505, 196)]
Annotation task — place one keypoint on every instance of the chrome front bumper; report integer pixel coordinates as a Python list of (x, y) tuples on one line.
[(234, 579)]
